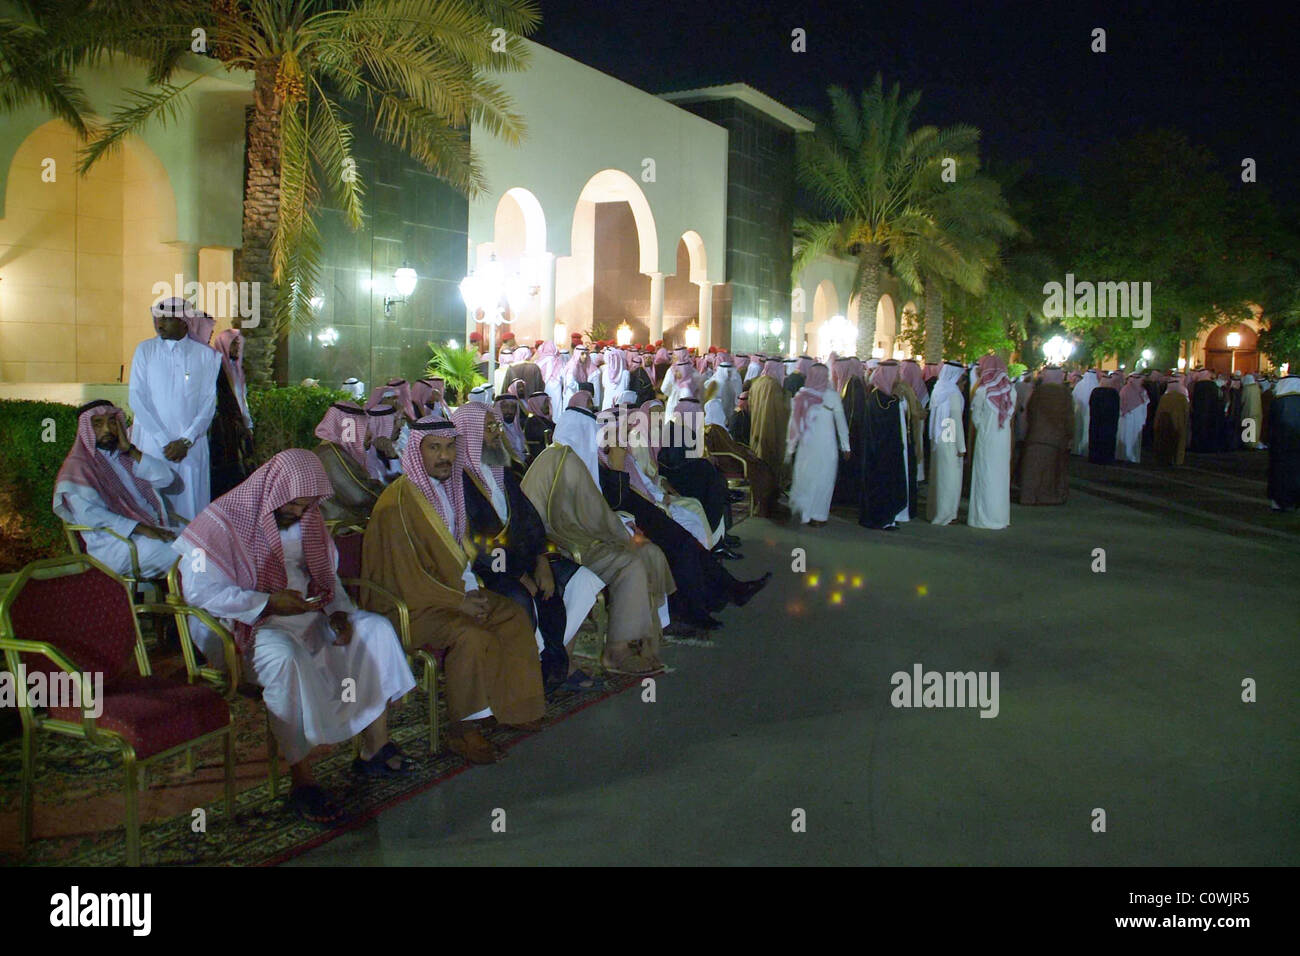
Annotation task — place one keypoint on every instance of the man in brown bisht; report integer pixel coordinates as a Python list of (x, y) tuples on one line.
[(728, 454), (413, 548), (342, 451), (1044, 470), (564, 486), (769, 410), (1172, 418)]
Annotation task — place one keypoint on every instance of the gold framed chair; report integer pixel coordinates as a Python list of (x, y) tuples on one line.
[(734, 483), (72, 618)]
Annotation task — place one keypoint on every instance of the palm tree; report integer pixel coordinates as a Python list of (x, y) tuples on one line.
[(912, 198), (417, 71)]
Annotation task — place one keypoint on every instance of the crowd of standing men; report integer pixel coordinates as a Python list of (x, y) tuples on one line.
[(492, 521)]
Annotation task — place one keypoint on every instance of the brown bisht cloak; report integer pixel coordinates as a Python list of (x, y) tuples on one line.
[(578, 519), (1172, 416), (762, 481), (355, 492), (769, 411), (1044, 472), (409, 551)]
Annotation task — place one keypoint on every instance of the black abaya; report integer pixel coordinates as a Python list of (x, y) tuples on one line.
[(881, 461), (1103, 425)]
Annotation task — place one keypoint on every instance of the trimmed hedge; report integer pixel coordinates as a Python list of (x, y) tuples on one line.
[(34, 440), (282, 418), (287, 417)]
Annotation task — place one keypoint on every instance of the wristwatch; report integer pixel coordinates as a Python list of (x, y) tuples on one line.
[(188, 443)]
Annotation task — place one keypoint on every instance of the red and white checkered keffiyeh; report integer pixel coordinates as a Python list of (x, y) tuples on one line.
[(471, 421), (549, 363), (514, 433), (238, 533), (885, 376), (86, 467), (234, 367), (997, 387), (380, 420), (774, 369), (534, 404), (414, 471), (333, 427), (615, 365), (805, 400)]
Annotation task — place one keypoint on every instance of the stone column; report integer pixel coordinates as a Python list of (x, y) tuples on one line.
[(656, 306), (706, 315), (548, 298)]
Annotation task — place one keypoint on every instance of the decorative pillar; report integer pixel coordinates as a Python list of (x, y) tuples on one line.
[(798, 321), (656, 306), (548, 298), (706, 315)]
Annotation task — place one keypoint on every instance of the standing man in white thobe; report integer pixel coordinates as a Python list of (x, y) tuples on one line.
[(991, 412), (173, 395), (947, 445), (817, 426)]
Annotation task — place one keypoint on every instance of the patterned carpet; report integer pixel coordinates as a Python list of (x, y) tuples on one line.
[(79, 805)]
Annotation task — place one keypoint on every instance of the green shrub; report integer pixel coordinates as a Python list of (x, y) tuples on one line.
[(287, 417), (34, 438)]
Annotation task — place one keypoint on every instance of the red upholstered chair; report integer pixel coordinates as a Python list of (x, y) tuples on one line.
[(71, 618), (425, 661)]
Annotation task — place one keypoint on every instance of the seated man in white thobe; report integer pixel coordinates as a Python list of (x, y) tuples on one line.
[(261, 559), (106, 482), (173, 396)]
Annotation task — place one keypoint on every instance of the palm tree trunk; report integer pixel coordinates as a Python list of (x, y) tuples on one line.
[(261, 217), (933, 324), (868, 300)]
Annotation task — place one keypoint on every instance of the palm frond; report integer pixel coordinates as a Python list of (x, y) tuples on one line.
[(163, 106)]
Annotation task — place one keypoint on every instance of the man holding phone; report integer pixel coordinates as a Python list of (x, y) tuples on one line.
[(261, 558), (106, 482)]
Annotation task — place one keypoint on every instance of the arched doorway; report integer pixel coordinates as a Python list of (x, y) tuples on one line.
[(614, 248), (1226, 354), (519, 244), (887, 328), (827, 333), (81, 257)]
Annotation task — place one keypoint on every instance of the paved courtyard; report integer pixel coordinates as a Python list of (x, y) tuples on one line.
[(1118, 690)]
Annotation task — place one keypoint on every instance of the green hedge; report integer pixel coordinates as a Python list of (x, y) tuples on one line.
[(282, 418), (287, 417), (34, 440)]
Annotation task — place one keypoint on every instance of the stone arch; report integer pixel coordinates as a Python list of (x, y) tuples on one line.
[(114, 230)]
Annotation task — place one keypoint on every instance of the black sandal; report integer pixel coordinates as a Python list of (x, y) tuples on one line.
[(378, 766), (314, 805)]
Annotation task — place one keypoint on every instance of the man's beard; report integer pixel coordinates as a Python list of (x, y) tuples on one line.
[(284, 522), (107, 443), (495, 455)]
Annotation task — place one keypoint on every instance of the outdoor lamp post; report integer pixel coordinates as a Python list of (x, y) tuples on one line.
[(483, 294), (1057, 349), (1234, 341)]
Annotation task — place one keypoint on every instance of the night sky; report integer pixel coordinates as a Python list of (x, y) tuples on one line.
[(1022, 72)]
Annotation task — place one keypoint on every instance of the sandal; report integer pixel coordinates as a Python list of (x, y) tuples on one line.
[(378, 765), (475, 748), (580, 681), (632, 665), (314, 805)]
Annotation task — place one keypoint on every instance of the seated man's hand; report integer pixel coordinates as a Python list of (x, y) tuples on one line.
[(342, 625), (475, 605), (158, 534), (288, 602), (176, 450), (385, 447)]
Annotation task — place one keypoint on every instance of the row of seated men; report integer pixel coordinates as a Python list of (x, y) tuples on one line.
[(499, 546)]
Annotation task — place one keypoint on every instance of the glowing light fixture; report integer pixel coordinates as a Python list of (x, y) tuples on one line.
[(453, 344), (327, 336), (404, 280), (1234, 340), (561, 335), (776, 325), (1057, 349), (624, 335), (1182, 363), (1148, 354), (316, 302), (692, 336)]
